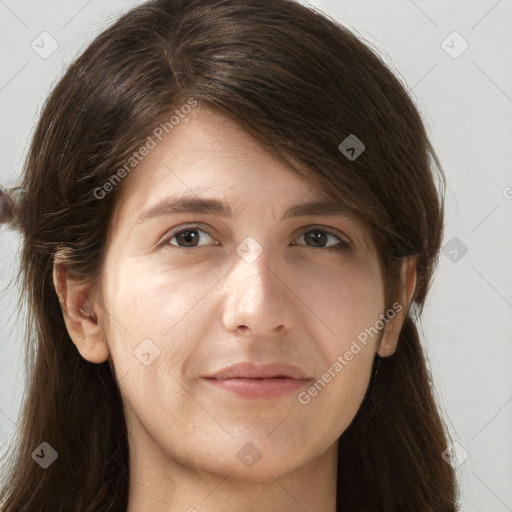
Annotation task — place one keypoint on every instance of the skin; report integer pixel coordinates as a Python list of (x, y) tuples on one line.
[(204, 309)]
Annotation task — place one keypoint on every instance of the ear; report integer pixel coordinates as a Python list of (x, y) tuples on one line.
[(81, 320), (389, 339)]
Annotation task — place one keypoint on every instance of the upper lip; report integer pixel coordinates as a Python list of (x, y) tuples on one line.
[(248, 370)]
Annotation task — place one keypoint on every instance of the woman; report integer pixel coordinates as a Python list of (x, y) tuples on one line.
[(198, 347)]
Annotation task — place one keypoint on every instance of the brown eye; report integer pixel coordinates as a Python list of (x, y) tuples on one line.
[(186, 238), (319, 237)]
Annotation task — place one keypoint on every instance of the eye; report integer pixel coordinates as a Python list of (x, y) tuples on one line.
[(188, 236), (188, 239), (320, 236)]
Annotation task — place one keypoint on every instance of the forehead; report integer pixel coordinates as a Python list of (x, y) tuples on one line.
[(209, 164), (208, 152)]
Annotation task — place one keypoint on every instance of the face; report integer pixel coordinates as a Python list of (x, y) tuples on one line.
[(191, 292)]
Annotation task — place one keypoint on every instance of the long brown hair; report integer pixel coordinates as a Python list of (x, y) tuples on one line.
[(301, 84)]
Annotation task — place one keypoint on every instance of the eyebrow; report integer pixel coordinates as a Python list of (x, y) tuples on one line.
[(196, 204)]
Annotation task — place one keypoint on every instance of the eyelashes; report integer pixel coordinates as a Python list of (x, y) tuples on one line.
[(188, 235)]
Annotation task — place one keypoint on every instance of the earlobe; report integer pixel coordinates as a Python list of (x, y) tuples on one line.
[(81, 321), (389, 339)]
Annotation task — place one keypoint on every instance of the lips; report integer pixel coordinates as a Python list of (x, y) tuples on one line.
[(262, 389), (248, 370)]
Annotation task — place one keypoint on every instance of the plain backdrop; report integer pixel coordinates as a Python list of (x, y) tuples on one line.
[(456, 61)]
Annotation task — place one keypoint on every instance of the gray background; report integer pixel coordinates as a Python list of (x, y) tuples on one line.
[(466, 103)]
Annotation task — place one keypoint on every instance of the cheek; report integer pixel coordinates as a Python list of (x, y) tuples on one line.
[(341, 303), (337, 393), (341, 398), (145, 311), (347, 306), (151, 296), (148, 336)]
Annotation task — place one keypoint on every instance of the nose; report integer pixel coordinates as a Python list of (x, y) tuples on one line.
[(258, 294)]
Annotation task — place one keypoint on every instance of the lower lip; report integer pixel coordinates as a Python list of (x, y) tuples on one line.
[(259, 388)]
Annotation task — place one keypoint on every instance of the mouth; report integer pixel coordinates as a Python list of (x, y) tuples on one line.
[(258, 388), (259, 380), (249, 370)]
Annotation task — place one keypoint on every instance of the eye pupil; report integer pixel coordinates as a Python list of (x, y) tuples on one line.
[(317, 236), (187, 236)]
